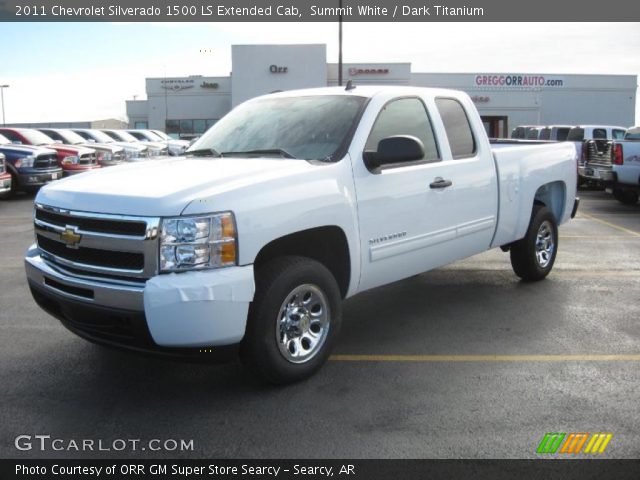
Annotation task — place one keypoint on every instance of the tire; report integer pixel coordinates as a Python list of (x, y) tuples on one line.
[(293, 320), (532, 258), (627, 197)]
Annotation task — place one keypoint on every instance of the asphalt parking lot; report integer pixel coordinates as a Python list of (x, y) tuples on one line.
[(462, 362)]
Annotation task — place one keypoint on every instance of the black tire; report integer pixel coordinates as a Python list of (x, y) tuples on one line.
[(266, 348), (627, 197), (532, 258)]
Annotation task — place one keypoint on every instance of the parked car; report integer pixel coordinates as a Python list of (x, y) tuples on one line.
[(175, 147), (30, 167), (133, 151), (521, 132), (156, 149), (615, 164), (556, 133), (288, 204), (72, 159), (5, 178), (581, 136), (107, 155)]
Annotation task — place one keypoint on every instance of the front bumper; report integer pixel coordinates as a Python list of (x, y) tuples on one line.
[(176, 315), (35, 178)]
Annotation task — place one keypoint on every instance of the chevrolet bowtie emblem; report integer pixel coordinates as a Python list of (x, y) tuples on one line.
[(70, 237)]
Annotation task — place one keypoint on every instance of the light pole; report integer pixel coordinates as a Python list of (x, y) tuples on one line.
[(2, 87)]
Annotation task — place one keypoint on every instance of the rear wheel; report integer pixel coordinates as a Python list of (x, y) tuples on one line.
[(628, 197), (293, 320), (532, 258)]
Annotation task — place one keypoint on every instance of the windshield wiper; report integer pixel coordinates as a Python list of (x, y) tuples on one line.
[(266, 151), (204, 152)]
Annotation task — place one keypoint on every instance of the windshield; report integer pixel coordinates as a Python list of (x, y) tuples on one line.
[(36, 138), (71, 137), (562, 133), (160, 134), (122, 136), (313, 127), (96, 135)]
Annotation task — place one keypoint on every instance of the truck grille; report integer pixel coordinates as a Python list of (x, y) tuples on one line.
[(88, 159), (114, 246), (92, 256), (118, 227), (46, 161), (3, 168)]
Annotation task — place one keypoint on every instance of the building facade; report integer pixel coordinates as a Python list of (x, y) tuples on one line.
[(189, 105)]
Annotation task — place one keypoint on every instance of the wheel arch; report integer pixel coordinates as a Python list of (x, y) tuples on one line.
[(553, 196), (327, 245)]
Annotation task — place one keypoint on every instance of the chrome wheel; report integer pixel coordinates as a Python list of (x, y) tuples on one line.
[(303, 323), (545, 244)]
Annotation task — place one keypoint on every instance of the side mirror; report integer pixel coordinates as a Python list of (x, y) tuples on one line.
[(395, 149)]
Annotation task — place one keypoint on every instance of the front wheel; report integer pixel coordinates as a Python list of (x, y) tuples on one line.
[(293, 320), (532, 258)]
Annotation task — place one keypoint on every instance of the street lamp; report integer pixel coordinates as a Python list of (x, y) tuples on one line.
[(2, 87)]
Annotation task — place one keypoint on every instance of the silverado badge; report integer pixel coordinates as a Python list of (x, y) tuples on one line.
[(71, 237)]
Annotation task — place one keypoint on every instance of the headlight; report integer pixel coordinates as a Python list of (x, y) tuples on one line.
[(25, 162), (191, 243), (70, 160)]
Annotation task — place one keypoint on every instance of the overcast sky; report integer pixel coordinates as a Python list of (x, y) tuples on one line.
[(76, 71)]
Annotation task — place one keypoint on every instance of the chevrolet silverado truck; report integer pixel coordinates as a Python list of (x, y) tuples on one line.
[(29, 167), (289, 204), (615, 164), (5, 178), (72, 159)]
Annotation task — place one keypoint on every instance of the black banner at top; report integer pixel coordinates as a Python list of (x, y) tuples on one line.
[(318, 11)]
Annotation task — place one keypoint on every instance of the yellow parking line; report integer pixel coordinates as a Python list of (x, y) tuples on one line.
[(612, 225), (595, 273), (485, 358)]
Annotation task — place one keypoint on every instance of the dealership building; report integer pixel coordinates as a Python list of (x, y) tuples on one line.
[(189, 105)]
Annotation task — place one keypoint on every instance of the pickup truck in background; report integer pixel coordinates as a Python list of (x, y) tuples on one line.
[(615, 164), (582, 136), (106, 154), (175, 147), (290, 203), (72, 159), (133, 152), (156, 149), (29, 167), (5, 178), (555, 133)]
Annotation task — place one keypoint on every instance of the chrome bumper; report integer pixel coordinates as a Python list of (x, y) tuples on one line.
[(60, 282)]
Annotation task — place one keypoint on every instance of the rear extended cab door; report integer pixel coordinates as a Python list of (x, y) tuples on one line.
[(420, 215)]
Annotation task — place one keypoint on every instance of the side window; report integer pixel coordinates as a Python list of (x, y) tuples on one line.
[(456, 124), (599, 134), (405, 116), (618, 134), (545, 134)]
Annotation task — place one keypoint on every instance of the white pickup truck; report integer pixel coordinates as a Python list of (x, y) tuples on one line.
[(289, 204)]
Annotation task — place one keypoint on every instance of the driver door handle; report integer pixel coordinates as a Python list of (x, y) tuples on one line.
[(440, 183)]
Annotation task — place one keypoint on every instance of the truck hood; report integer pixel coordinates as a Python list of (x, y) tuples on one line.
[(25, 149), (163, 187), (63, 149)]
